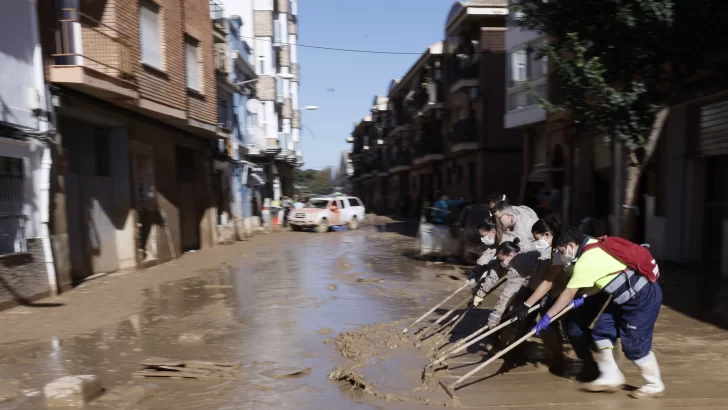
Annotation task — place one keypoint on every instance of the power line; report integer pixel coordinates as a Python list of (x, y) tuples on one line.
[(347, 50)]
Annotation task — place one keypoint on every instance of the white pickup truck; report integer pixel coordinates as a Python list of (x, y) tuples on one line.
[(322, 213)]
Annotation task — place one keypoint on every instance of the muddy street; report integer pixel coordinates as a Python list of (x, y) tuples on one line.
[(313, 321)]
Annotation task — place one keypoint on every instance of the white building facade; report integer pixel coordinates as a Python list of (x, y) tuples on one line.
[(26, 262)]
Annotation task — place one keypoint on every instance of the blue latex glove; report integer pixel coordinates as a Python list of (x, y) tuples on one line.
[(542, 324), (578, 301)]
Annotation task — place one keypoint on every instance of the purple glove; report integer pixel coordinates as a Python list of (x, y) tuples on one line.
[(578, 301), (542, 324)]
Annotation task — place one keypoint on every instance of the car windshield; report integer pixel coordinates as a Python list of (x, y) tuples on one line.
[(318, 203)]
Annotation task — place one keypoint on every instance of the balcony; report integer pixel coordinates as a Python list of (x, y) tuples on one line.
[(256, 141), (277, 33), (222, 61), (279, 90), (93, 58), (217, 15), (465, 136), (381, 167), (428, 97), (465, 73), (401, 162), (429, 149), (522, 107), (242, 57)]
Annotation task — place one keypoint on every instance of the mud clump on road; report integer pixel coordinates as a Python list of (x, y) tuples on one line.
[(387, 364)]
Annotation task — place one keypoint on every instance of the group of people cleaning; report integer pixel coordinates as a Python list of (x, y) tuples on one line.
[(553, 265)]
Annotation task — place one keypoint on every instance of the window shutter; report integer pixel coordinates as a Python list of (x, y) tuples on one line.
[(151, 47), (193, 66)]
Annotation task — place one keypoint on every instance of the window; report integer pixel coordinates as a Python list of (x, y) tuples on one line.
[(519, 71), (150, 34), (343, 204), (192, 64), (354, 202), (12, 220), (538, 67), (293, 49)]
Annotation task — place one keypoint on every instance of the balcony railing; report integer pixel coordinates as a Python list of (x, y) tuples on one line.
[(428, 145), (236, 44), (217, 12), (465, 131), (464, 68), (256, 137), (222, 62), (402, 159), (100, 47)]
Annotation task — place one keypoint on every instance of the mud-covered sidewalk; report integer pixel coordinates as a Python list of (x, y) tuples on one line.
[(314, 321)]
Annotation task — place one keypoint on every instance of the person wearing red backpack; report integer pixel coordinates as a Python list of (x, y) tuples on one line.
[(631, 313)]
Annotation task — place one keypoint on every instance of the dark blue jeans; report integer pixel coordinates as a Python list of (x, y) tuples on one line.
[(633, 322)]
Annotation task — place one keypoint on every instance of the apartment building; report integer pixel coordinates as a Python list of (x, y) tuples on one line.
[(27, 271), (442, 130), (480, 156), (137, 119), (275, 143), (545, 177), (417, 105)]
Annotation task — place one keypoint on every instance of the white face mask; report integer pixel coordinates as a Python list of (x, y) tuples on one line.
[(568, 256), (542, 244), (487, 240)]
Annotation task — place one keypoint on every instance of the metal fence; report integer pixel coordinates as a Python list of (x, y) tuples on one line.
[(12, 234)]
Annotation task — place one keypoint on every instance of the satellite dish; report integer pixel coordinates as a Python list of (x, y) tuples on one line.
[(253, 105)]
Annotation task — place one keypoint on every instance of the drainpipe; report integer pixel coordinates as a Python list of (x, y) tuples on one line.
[(46, 161)]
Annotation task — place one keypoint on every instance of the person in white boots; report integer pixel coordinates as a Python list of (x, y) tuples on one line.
[(631, 312)]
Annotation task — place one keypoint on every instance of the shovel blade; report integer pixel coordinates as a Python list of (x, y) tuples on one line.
[(450, 390)]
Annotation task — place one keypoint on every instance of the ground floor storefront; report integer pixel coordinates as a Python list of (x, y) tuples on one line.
[(135, 191)]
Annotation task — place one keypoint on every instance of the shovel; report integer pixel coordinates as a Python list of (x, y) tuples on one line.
[(435, 308), (471, 307), (450, 389), (474, 338)]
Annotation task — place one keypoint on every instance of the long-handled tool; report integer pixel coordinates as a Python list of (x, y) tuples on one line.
[(435, 308), (474, 338), (471, 307), (450, 389), (424, 333), (457, 322)]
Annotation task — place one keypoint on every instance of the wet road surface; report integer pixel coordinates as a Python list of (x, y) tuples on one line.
[(274, 302)]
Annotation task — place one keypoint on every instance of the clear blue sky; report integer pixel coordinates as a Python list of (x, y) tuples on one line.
[(389, 25)]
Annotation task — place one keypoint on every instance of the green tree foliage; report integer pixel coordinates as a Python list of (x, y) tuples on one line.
[(312, 181), (620, 63)]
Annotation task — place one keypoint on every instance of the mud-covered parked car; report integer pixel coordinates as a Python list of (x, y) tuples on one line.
[(458, 239), (323, 213)]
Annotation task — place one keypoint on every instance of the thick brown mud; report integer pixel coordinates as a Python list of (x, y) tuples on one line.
[(315, 322)]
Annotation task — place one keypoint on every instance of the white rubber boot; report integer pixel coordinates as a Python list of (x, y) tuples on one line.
[(651, 373), (610, 378)]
